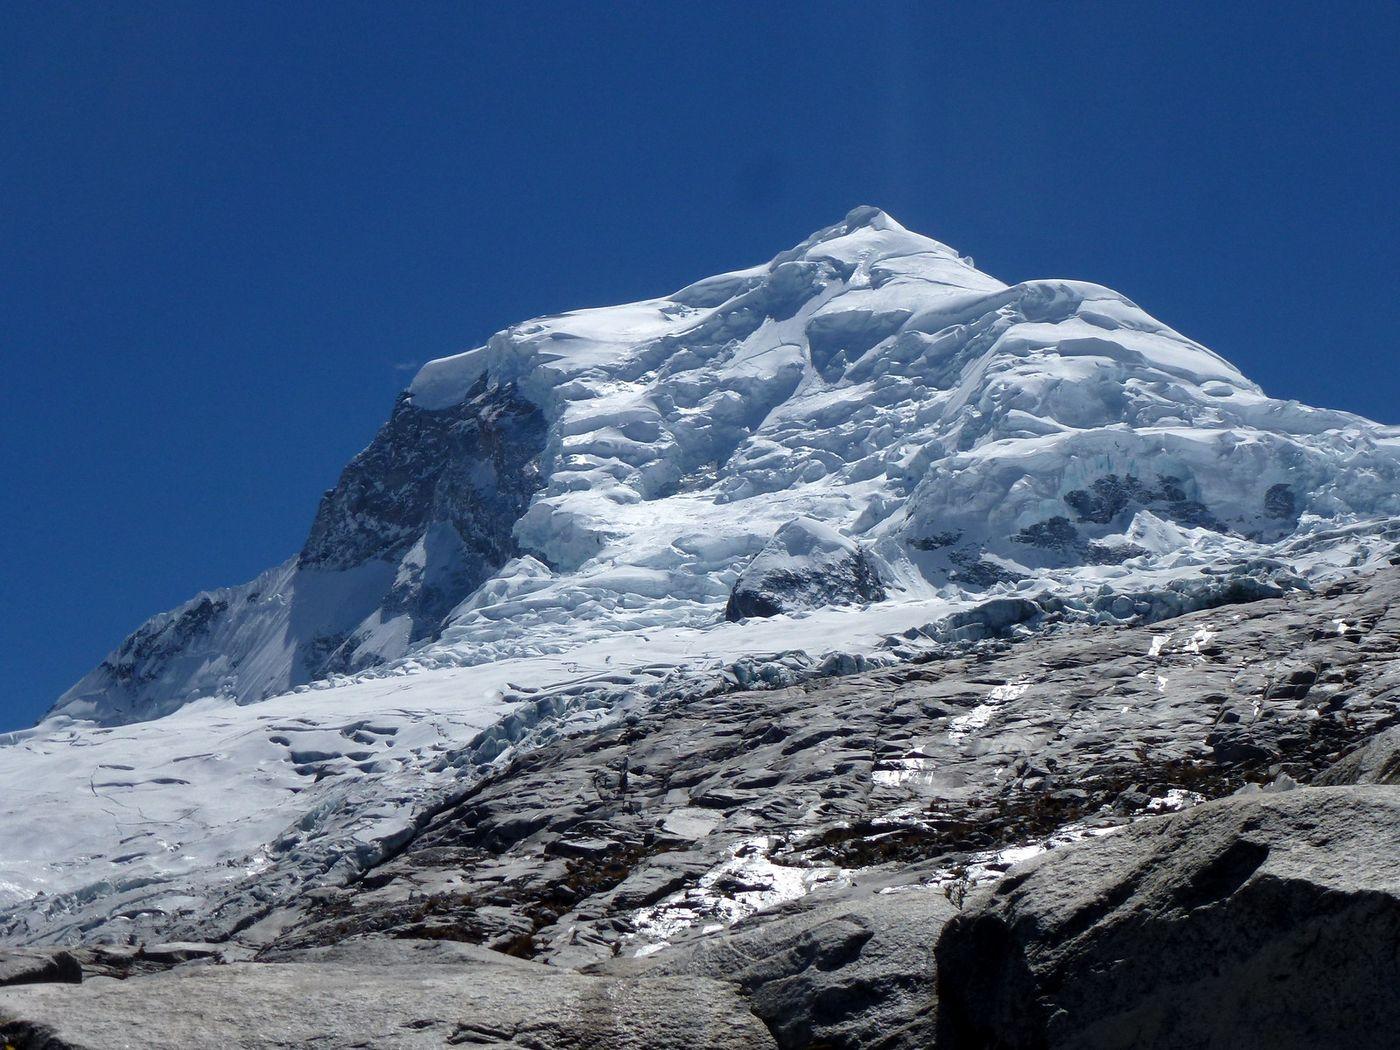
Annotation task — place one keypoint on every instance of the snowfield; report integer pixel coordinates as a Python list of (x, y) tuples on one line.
[(551, 527)]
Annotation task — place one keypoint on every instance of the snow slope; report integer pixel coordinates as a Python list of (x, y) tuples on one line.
[(564, 512)]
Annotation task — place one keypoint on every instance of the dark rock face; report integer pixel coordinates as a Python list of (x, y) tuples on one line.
[(1280, 502), (469, 470), (436, 492), (806, 565), (418, 520), (1265, 921), (1059, 535), (145, 653), (1111, 495), (973, 570), (471, 465)]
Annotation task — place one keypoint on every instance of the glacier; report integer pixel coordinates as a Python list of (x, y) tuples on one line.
[(558, 522)]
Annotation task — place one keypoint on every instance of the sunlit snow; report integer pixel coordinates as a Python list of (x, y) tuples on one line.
[(979, 441)]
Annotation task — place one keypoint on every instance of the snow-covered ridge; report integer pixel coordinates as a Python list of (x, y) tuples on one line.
[(613, 470)]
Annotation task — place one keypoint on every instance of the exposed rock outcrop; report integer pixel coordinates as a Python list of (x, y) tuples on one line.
[(850, 973), (416, 522), (704, 807), (793, 852), (806, 565), (1266, 921)]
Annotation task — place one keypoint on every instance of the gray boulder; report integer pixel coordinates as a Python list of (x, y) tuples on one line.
[(806, 565), (382, 994), (1269, 921), (853, 973)]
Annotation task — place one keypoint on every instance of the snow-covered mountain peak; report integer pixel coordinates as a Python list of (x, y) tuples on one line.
[(613, 470), (866, 229), (862, 452), (866, 250)]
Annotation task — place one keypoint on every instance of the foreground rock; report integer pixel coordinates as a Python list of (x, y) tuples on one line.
[(386, 995), (845, 973), (1266, 921)]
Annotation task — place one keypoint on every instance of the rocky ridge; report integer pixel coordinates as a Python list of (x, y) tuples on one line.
[(703, 810), (821, 864), (418, 520)]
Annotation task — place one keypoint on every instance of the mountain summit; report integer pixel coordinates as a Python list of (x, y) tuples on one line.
[(614, 470)]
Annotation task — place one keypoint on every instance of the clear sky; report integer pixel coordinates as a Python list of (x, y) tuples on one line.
[(229, 232)]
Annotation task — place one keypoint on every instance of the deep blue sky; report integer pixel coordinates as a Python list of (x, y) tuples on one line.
[(231, 230)]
